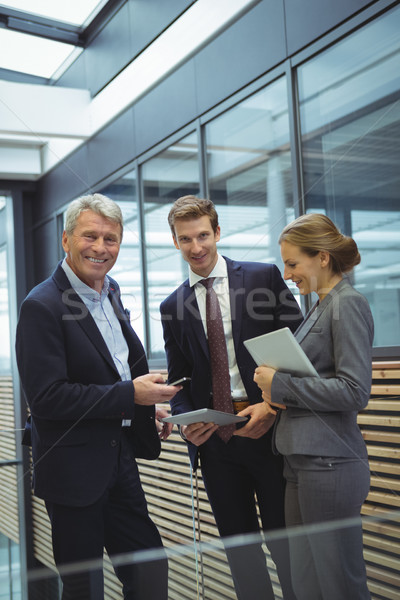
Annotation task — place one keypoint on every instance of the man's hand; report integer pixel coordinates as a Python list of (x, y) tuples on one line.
[(164, 429), (150, 389), (198, 433), (262, 417)]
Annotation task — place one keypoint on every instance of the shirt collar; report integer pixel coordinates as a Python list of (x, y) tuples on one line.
[(82, 288), (220, 270)]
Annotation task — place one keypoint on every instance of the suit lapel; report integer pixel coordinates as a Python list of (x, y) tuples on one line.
[(137, 357), (78, 310), (307, 324), (235, 283), (192, 314), (317, 311), (192, 317)]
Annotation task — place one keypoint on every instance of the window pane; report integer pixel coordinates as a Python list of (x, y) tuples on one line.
[(73, 11), (5, 352), (350, 124), (166, 177), (249, 172), (127, 271), (32, 54)]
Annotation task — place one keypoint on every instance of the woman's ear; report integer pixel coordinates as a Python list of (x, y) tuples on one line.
[(325, 258)]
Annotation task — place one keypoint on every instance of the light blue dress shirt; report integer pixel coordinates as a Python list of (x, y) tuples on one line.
[(101, 310)]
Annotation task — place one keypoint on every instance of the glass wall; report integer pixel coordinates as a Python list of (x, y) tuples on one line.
[(249, 175), (350, 125), (10, 549), (169, 175), (348, 102), (5, 346), (128, 269), (10, 579)]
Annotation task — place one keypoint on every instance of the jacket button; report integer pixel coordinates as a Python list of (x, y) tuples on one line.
[(114, 443)]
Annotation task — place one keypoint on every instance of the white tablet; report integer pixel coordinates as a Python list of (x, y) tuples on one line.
[(281, 351), (204, 415)]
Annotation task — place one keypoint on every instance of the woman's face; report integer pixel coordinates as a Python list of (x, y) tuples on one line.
[(307, 272)]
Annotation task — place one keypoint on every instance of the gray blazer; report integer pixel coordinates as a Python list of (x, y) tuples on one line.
[(321, 414)]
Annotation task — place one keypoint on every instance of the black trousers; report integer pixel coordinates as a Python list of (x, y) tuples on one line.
[(234, 474), (118, 521)]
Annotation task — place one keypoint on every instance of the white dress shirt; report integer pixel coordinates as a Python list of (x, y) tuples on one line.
[(221, 288)]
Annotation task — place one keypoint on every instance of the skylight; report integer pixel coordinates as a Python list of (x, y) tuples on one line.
[(32, 54), (75, 12), (37, 37)]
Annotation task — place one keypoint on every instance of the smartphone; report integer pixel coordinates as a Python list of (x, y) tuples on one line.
[(178, 381)]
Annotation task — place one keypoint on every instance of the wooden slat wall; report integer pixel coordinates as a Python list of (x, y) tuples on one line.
[(9, 523), (167, 483), (380, 424)]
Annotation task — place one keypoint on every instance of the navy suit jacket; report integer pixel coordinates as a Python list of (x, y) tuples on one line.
[(75, 394), (260, 302)]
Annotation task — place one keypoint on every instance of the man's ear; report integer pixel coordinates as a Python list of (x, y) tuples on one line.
[(64, 241), (175, 242)]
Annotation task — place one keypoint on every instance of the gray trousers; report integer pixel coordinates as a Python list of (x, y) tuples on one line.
[(326, 562)]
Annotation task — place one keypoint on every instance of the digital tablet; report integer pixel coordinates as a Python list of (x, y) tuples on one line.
[(204, 415), (281, 351)]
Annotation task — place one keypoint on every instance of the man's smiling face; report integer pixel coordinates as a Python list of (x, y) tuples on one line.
[(93, 248), (197, 241)]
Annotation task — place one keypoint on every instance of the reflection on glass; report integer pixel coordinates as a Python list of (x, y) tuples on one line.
[(5, 352), (350, 124), (202, 565), (249, 172), (249, 162), (127, 271), (169, 175), (10, 573)]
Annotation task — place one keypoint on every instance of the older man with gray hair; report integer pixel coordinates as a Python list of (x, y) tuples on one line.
[(92, 405)]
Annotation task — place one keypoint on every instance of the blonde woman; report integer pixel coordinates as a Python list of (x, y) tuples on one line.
[(325, 457)]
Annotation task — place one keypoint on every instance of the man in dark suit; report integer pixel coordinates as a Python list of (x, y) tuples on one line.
[(91, 399), (254, 300)]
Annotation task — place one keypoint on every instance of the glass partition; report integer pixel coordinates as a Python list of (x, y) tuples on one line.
[(11, 535), (169, 175), (249, 174), (350, 125), (127, 271), (5, 346), (199, 570), (10, 569)]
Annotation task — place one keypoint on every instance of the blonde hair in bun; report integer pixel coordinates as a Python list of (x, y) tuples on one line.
[(314, 233)]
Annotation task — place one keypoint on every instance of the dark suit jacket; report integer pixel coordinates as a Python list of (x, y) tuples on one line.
[(260, 303), (75, 395), (321, 418)]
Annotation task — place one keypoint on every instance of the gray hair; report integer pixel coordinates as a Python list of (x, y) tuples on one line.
[(102, 205)]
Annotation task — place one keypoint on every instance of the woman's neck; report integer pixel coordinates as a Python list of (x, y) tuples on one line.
[(327, 285)]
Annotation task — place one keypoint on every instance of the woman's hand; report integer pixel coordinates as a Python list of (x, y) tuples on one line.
[(263, 377), (267, 398)]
